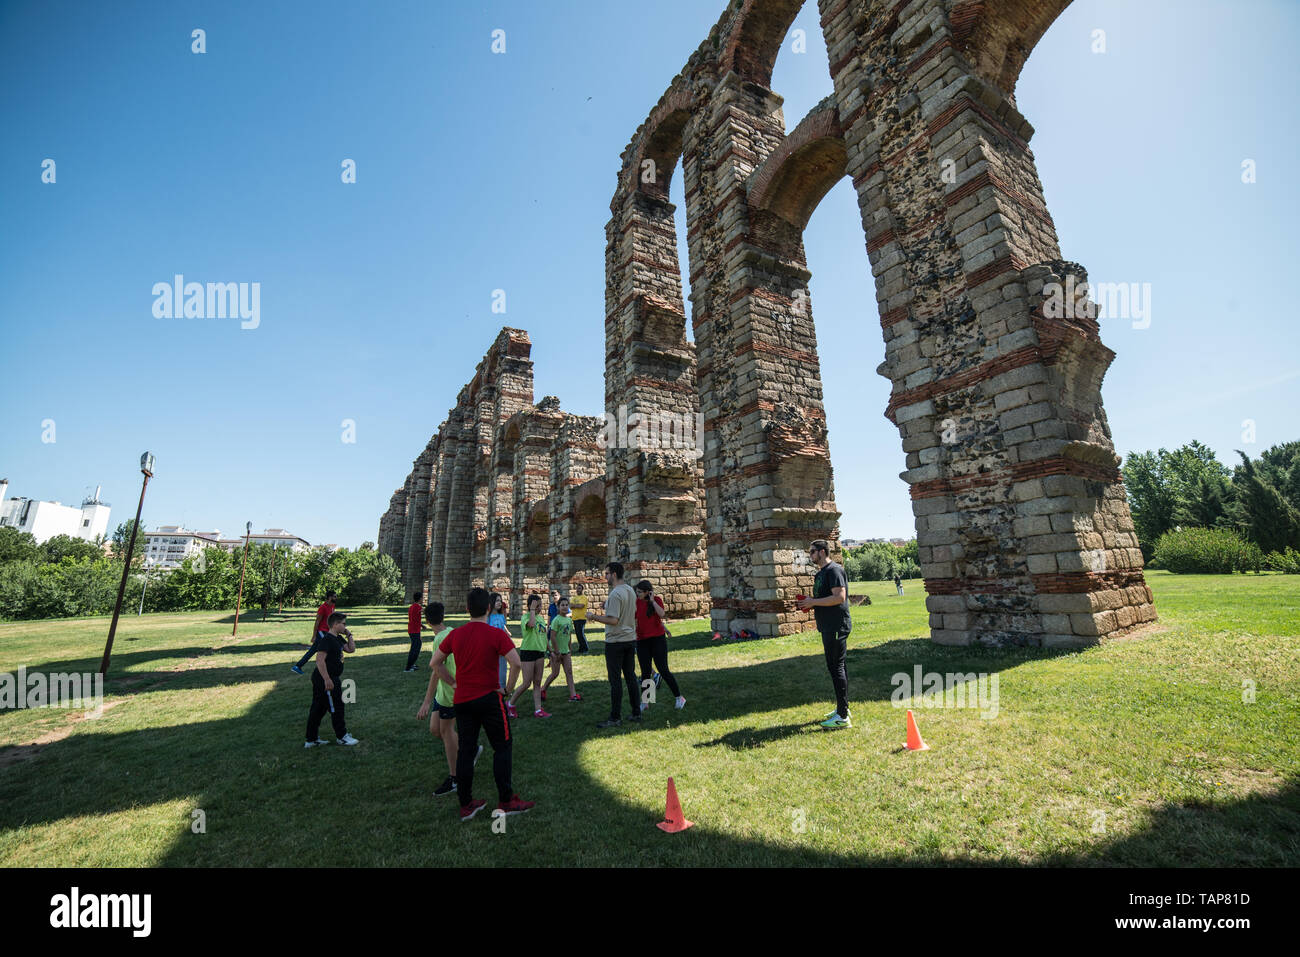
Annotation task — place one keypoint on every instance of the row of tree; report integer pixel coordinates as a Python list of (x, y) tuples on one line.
[(1258, 500), (881, 561), (68, 577)]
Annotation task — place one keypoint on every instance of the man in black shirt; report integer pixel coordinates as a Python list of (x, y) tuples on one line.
[(325, 681), (830, 605)]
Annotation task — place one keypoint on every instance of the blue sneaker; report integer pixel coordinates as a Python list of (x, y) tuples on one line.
[(835, 721), (296, 670)]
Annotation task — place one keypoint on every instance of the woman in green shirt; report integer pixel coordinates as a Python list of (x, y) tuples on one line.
[(532, 656)]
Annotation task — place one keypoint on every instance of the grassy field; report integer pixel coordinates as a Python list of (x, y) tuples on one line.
[(1138, 752)]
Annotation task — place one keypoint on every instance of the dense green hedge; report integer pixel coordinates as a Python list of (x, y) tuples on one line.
[(1206, 551)]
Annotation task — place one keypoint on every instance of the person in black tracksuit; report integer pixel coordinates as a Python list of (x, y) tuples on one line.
[(326, 679), (830, 604)]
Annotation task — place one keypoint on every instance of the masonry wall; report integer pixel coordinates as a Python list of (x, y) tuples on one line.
[(1022, 522)]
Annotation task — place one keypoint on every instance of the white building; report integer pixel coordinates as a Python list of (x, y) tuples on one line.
[(44, 520), (270, 536), (170, 545)]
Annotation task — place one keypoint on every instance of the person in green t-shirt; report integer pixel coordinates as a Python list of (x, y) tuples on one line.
[(532, 656), (561, 634), (438, 701)]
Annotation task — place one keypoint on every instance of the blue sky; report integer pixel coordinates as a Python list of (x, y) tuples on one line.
[(478, 172)]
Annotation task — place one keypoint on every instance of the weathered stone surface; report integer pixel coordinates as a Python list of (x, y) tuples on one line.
[(1023, 526)]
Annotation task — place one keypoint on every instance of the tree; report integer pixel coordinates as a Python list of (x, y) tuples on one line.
[(18, 546), (1261, 511), (122, 537), (65, 546), (1160, 483)]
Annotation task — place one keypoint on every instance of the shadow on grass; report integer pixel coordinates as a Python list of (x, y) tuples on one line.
[(251, 767)]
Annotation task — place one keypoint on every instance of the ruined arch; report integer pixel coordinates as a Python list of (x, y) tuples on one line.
[(1022, 523), (1021, 519)]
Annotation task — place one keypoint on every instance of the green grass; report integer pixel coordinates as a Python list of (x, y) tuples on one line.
[(1137, 752)]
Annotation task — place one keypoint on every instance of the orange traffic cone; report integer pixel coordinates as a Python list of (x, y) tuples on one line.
[(674, 820), (914, 742)]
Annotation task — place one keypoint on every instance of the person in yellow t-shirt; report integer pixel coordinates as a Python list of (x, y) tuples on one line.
[(578, 604)]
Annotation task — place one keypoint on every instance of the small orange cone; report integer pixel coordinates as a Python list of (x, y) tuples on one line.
[(674, 820), (914, 742)]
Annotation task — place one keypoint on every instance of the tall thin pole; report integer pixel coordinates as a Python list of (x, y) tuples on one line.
[(121, 588), (242, 566)]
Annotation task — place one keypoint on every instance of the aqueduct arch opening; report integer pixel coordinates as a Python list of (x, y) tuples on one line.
[(1022, 523)]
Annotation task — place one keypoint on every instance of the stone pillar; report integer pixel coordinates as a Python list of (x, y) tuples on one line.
[(577, 471), (1023, 528), (654, 510), (767, 471)]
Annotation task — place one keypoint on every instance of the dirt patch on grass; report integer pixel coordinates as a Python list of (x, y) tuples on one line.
[(1138, 632)]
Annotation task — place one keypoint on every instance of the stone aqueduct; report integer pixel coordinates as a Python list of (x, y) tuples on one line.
[(1023, 527)]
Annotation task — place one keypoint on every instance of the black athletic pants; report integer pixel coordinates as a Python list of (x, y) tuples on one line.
[(310, 651), (656, 650), (414, 654), (320, 704), (487, 713), (837, 653), (620, 665), (580, 629)]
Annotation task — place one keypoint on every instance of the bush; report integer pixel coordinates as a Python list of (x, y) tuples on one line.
[(1206, 551), (1287, 562)]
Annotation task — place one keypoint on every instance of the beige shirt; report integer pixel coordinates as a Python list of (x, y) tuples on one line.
[(621, 604)]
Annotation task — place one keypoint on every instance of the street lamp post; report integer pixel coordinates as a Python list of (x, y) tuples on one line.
[(146, 468), (248, 531)]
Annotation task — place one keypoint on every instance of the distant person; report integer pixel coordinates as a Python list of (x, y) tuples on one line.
[(323, 613), (414, 616), (620, 646), (560, 635), (325, 679), (532, 649), (554, 608), (579, 605), (898, 583), (652, 640), (476, 646), (440, 701), (497, 619), (830, 605)]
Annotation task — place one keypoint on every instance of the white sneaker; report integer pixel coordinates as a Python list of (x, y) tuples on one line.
[(681, 703), (348, 739), (312, 744)]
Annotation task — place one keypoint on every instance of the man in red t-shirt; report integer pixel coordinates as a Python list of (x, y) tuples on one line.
[(414, 621), (322, 624), (476, 648)]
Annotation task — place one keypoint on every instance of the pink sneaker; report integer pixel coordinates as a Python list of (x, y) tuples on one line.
[(539, 713), (510, 710)]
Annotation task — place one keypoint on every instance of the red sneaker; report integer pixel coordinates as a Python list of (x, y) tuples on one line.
[(510, 710), (575, 697), (539, 713), (516, 805), (467, 811)]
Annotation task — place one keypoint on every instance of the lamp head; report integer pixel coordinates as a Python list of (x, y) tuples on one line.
[(146, 463)]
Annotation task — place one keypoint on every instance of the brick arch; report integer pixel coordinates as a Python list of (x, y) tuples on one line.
[(997, 36), (801, 171), (659, 140), (757, 31)]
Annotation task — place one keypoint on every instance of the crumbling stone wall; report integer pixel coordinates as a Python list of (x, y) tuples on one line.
[(1022, 522)]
